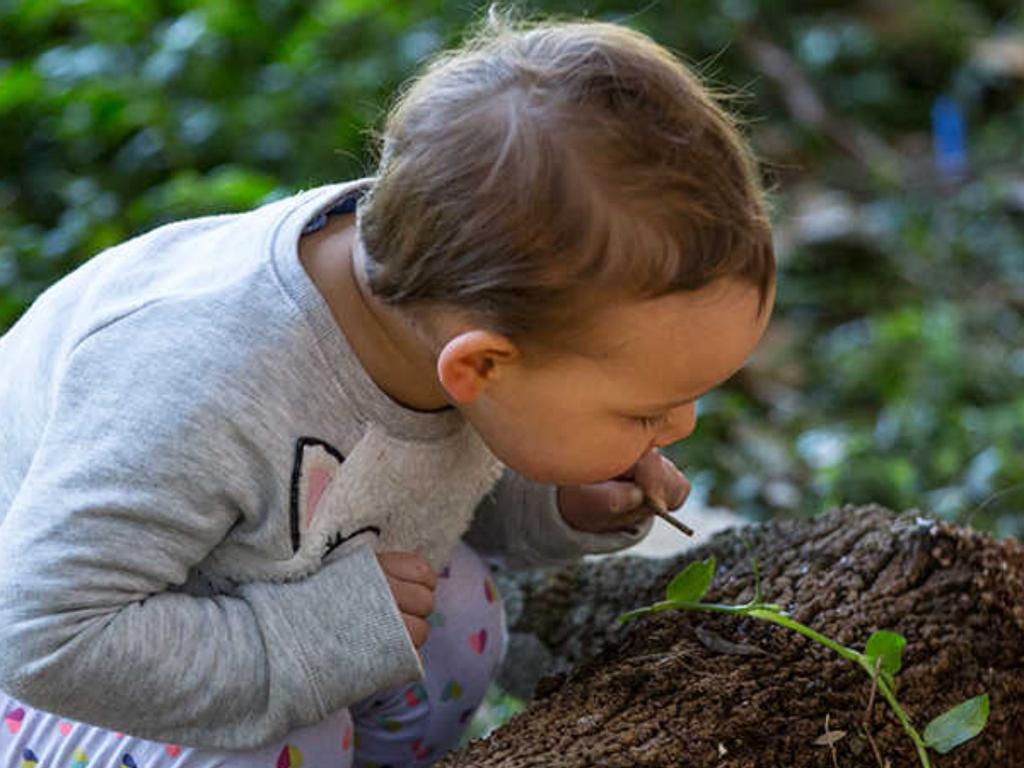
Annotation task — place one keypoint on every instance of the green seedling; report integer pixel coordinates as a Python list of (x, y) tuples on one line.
[(881, 659)]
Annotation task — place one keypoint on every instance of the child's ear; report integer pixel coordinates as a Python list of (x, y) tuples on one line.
[(471, 361)]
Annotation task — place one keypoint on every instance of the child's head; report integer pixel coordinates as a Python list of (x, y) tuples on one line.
[(540, 176)]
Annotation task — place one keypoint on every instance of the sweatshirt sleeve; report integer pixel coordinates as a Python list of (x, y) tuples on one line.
[(519, 522), (137, 477)]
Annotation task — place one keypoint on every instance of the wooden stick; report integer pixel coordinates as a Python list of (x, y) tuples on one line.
[(659, 509)]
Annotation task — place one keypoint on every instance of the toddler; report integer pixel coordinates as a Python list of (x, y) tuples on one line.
[(253, 464)]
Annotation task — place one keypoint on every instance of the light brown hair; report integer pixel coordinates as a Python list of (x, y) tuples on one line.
[(541, 168)]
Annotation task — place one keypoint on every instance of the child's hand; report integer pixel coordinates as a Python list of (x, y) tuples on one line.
[(619, 503), (412, 583)]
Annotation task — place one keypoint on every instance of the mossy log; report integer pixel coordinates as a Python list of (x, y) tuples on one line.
[(698, 689)]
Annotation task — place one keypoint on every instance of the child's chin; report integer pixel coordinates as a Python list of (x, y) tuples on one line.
[(565, 475), (538, 474)]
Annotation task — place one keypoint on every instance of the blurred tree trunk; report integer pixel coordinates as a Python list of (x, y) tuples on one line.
[(697, 689)]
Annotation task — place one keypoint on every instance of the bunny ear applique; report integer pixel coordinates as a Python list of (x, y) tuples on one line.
[(316, 463)]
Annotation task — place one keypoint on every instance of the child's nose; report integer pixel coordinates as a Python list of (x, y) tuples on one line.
[(680, 423)]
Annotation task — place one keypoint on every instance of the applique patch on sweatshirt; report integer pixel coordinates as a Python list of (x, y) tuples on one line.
[(316, 464)]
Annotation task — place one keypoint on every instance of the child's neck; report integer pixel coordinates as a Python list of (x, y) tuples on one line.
[(396, 357)]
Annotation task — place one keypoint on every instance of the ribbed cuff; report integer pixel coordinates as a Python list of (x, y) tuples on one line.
[(557, 540), (342, 632)]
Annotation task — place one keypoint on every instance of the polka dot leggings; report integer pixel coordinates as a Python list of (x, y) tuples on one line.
[(413, 725)]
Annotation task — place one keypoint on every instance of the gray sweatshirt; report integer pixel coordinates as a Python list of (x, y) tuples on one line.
[(195, 475)]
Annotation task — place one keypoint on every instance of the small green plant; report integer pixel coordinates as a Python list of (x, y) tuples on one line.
[(881, 659)]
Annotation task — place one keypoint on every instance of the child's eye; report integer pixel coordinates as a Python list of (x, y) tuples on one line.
[(650, 422)]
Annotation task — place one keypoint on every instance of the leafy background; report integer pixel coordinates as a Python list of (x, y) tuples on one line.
[(892, 133)]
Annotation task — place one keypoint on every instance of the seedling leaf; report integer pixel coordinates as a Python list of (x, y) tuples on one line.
[(692, 583), (887, 646), (957, 725)]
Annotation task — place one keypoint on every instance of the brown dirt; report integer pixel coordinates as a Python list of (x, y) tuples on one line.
[(664, 693)]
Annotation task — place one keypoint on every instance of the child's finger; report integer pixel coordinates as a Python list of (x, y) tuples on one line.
[(599, 499), (652, 475), (408, 566), (417, 628), (414, 599), (621, 496), (680, 494), (661, 481), (634, 517), (677, 485), (612, 497)]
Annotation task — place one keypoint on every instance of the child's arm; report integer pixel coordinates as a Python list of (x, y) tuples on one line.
[(521, 522), (141, 471)]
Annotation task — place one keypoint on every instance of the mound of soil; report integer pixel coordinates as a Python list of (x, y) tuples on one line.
[(697, 689)]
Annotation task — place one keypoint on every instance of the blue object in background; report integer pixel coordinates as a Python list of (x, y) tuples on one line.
[(949, 137)]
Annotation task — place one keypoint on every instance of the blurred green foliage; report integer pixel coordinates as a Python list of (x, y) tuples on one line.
[(894, 371)]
